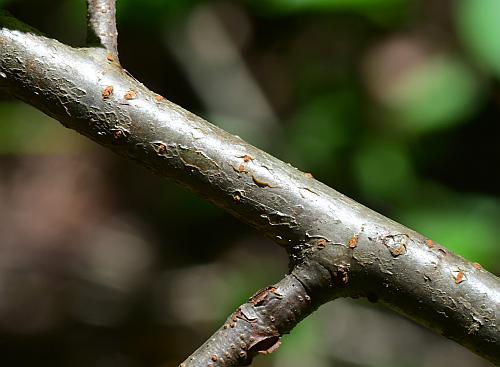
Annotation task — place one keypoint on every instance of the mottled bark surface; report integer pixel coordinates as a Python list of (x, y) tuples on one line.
[(337, 247)]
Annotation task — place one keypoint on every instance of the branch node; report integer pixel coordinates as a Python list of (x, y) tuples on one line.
[(101, 26)]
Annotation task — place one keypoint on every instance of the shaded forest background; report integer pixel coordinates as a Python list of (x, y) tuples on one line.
[(395, 103)]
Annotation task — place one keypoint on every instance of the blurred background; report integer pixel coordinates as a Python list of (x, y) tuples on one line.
[(395, 103)]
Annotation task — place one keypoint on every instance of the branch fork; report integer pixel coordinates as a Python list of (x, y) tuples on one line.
[(337, 247)]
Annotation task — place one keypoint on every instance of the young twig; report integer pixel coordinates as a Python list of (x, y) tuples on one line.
[(101, 25)]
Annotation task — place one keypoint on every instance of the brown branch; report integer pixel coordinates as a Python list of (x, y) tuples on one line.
[(101, 25), (336, 246)]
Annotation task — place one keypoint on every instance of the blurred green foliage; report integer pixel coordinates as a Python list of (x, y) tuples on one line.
[(319, 129), (24, 130), (383, 170), (150, 14), (435, 95), (467, 226), (322, 5), (478, 23)]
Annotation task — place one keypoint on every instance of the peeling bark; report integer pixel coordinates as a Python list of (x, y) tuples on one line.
[(337, 247), (256, 326)]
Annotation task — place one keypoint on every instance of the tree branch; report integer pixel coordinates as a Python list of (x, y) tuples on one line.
[(101, 25), (256, 326), (336, 246)]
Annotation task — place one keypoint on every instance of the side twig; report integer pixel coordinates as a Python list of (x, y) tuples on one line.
[(256, 326), (101, 25)]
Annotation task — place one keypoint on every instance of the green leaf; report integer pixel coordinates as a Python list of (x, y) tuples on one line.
[(478, 23)]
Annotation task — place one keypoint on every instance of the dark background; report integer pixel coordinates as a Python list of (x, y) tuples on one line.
[(395, 103)]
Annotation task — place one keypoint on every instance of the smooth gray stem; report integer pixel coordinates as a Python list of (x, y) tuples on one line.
[(337, 247), (101, 25)]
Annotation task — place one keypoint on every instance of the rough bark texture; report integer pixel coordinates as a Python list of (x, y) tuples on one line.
[(337, 247)]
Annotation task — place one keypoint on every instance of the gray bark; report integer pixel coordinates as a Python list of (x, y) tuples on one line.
[(101, 26), (337, 247)]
